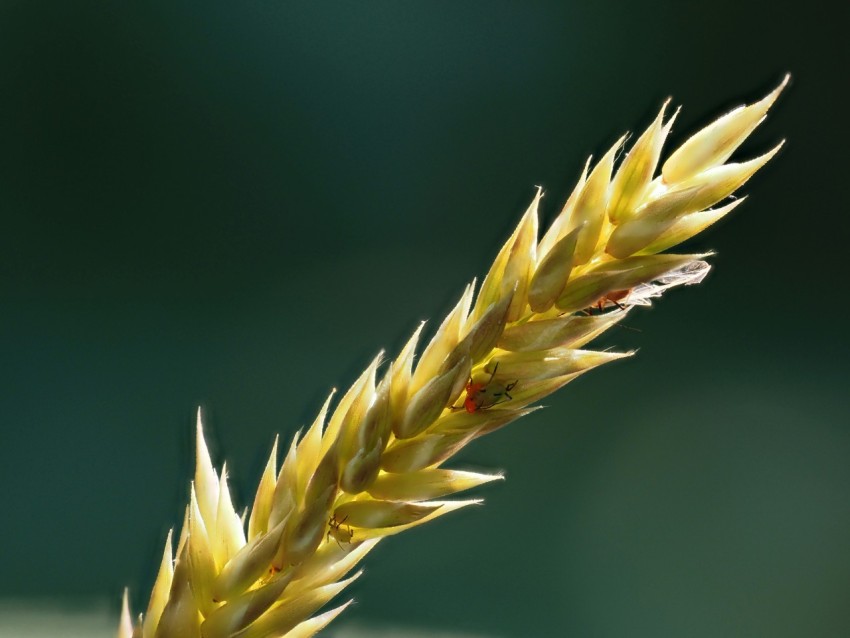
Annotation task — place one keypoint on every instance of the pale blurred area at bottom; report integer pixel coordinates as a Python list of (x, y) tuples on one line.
[(27, 619), (46, 619)]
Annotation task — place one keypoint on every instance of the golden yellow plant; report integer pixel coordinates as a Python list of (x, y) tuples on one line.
[(371, 467)]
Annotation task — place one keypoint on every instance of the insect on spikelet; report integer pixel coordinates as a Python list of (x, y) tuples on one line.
[(339, 531), (485, 394), (371, 467)]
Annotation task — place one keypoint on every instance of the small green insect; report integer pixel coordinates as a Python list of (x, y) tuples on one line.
[(340, 535)]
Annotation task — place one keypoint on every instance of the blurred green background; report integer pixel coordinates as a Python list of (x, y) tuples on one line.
[(236, 205)]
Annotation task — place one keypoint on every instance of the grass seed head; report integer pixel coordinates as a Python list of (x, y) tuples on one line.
[(371, 467)]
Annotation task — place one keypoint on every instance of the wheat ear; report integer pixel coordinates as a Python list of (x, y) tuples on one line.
[(372, 467)]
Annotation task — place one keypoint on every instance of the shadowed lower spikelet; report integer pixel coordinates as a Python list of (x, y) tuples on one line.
[(371, 467)]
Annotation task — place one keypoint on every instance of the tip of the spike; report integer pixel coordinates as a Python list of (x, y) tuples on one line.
[(774, 94), (199, 427), (125, 628), (769, 155), (673, 117), (702, 256)]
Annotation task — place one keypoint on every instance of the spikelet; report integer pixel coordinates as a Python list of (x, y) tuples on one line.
[(371, 466)]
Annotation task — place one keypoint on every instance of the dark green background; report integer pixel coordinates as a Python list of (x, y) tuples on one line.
[(237, 204)]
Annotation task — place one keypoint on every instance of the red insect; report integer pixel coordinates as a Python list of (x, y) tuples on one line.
[(480, 396), (614, 298)]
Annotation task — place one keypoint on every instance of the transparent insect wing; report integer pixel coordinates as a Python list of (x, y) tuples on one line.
[(640, 295), (688, 275)]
